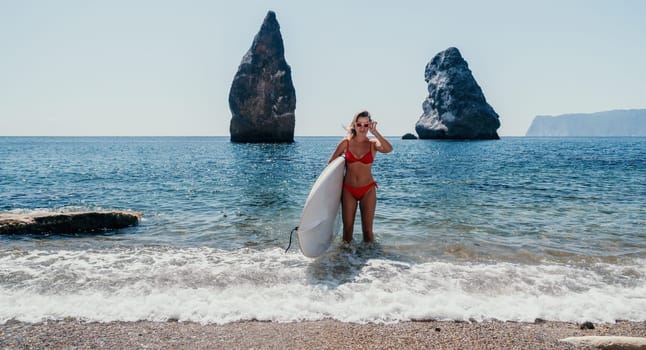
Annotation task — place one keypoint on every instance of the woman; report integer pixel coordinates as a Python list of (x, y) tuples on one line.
[(358, 184)]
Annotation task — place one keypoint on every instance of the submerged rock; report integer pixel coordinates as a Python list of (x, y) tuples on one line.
[(77, 222), (262, 98), (455, 108)]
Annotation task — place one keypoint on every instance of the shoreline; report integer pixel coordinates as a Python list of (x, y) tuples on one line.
[(324, 334)]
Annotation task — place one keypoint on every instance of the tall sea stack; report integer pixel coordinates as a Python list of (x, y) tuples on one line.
[(455, 107), (262, 98)]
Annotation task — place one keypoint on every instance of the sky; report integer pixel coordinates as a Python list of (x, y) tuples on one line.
[(164, 68)]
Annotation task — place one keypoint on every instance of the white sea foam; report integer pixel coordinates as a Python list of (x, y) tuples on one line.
[(216, 286)]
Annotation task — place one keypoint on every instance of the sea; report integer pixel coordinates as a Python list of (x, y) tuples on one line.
[(513, 230)]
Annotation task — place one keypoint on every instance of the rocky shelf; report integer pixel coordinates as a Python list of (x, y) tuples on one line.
[(73, 222)]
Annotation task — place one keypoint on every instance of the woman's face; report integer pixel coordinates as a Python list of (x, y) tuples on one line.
[(362, 124)]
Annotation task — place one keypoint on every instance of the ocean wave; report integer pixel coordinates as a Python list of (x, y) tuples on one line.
[(209, 285)]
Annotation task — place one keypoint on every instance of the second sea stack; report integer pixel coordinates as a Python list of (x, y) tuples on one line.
[(455, 108)]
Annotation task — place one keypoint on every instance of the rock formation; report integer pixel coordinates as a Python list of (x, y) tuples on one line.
[(409, 136), (629, 122), (262, 98), (607, 342), (455, 107), (78, 222)]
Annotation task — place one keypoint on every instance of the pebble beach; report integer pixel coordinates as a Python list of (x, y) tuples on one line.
[(325, 334)]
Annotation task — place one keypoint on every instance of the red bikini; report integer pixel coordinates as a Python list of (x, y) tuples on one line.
[(359, 192), (366, 159)]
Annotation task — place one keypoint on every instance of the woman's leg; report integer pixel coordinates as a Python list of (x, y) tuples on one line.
[(348, 212), (368, 206)]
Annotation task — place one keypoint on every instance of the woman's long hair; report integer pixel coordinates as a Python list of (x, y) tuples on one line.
[(352, 132)]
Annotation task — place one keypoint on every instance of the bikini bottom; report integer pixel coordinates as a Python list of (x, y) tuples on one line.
[(359, 192)]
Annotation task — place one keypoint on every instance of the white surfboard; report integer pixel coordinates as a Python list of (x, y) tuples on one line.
[(319, 221)]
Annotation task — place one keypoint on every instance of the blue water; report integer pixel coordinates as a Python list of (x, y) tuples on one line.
[(512, 229)]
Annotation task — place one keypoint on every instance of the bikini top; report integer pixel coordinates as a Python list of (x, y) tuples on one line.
[(366, 159)]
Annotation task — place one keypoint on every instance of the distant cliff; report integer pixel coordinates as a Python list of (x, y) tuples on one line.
[(629, 122)]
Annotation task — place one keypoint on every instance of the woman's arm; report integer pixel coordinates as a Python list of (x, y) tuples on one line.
[(340, 149), (381, 143)]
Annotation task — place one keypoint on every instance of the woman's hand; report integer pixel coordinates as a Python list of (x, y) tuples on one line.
[(381, 143), (373, 127)]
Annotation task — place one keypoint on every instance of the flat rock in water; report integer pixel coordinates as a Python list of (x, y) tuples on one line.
[(73, 222), (609, 342)]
